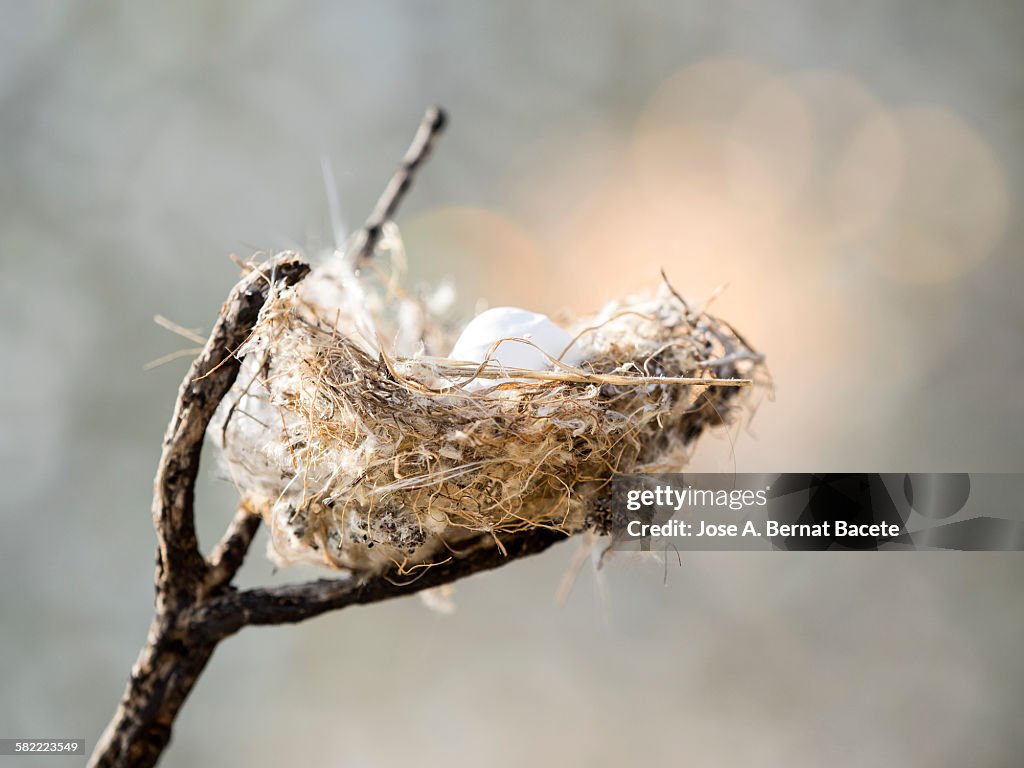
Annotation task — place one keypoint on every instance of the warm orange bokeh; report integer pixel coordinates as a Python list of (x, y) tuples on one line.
[(792, 200)]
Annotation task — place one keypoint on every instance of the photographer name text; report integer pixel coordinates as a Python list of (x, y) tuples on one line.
[(769, 528)]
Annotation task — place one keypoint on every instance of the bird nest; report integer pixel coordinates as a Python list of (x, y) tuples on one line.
[(366, 449)]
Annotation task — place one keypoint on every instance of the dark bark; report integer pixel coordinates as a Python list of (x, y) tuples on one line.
[(196, 606), (172, 659), (217, 618), (181, 569), (163, 676)]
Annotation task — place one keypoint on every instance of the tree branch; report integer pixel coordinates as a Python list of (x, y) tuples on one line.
[(180, 568), (196, 606), (219, 617), (365, 240), (170, 662), (229, 554)]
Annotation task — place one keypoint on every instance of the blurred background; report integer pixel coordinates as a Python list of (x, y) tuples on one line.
[(848, 174)]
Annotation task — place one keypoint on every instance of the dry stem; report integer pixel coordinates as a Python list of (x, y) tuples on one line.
[(196, 606), (366, 239)]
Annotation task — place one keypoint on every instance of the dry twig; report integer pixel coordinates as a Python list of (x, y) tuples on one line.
[(365, 240), (196, 606)]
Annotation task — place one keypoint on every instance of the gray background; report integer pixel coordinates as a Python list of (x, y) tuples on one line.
[(870, 246)]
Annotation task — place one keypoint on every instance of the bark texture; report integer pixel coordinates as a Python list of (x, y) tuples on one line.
[(196, 606)]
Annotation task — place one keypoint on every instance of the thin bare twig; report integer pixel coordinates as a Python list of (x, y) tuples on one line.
[(229, 554), (221, 616), (365, 240)]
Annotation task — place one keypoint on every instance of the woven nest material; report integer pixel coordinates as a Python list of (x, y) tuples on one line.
[(361, 445)]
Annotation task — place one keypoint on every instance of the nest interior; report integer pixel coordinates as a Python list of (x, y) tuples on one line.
[(361, 446)]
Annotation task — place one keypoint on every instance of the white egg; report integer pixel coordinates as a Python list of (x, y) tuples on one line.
[(511, 323)]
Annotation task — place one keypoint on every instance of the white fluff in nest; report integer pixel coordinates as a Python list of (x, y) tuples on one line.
[(513, 338)]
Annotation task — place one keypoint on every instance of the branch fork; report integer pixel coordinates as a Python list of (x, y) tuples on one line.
[(196, 605)]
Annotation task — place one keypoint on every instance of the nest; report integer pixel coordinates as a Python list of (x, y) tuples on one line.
[(365, 450)]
